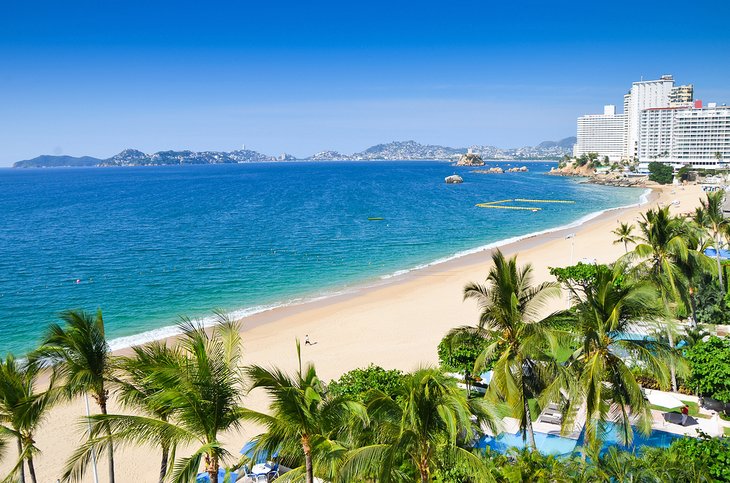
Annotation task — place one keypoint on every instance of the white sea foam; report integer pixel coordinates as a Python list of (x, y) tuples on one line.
[(209, 321), (173, 330)]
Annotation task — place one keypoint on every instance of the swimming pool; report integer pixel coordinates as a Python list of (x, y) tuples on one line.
[(550, 444), (547, 444)]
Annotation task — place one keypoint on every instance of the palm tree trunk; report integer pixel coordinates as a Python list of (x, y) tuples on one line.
[(31, 469), (423, 469), (528, 424), (672, 369), (102, 406), (307, 459), (21, 467), (212, 468), (626, 247), (717, 258), (163, 463)]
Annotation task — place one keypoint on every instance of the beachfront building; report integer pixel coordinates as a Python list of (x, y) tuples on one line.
[(681, 96), (648, 94), (692, 135), (602, 134)]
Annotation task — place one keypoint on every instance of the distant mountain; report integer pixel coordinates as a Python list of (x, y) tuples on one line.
[(400, 150), (568, 142), (395, 150), (48, 161)]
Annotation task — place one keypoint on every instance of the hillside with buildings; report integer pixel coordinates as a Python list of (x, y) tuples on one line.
[(393, 151)]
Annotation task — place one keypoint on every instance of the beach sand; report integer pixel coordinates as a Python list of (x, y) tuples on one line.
[(395, 325)]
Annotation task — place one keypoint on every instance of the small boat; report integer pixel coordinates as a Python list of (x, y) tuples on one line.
[(375, 218)]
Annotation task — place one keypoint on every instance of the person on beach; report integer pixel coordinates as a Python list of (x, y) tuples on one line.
[(685, 413)]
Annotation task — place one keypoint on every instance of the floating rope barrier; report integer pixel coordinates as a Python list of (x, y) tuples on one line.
[(502, 207), (523, 200)]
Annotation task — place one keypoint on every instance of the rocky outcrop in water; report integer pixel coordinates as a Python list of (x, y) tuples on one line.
[(470, 159), (611, 179), (495, 170), (454, 179)]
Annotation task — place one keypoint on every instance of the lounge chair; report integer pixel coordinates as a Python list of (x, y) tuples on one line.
[(551, 415), (551, 419)]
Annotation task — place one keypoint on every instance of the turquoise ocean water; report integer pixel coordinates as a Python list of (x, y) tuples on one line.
[(150, 244)]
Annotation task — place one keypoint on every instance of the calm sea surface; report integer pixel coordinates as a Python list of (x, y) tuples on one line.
[(150, 244)]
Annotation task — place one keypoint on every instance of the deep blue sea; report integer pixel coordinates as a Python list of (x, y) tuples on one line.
[(150, 244)]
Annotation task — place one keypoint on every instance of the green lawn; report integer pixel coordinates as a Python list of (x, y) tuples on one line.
[(694, 410)]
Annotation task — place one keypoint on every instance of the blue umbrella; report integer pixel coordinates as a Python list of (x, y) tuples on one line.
[(263, 457), (724, 254), (205, 478)]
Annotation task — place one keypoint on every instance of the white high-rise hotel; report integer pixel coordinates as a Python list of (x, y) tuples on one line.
[(660, 122), (601, 133)]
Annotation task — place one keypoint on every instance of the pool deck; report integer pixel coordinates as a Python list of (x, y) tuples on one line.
[(711, 424)]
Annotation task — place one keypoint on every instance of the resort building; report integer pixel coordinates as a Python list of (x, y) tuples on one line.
[(643, 95), (681, 95), (602, 134), (693, 135)]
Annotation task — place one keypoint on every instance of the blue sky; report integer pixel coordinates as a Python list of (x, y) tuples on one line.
[(95, 77)]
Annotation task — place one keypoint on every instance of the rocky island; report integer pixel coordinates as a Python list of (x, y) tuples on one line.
[(470, 159)]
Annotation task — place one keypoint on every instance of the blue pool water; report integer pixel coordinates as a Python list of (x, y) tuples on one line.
[(556, 445), (149, 244), (546, 443)]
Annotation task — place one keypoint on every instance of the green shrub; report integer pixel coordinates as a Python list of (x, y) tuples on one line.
[(709, 364), (357, 382), (710, 453), (459, 353), (660, 173), (711, 304)]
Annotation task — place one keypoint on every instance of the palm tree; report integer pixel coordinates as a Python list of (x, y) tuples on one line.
[(511, 307), (304, 421), (715, 223), (624, 234), (22, 409), (419, 430), (137, 388), (662, 249), (81, 359), (603, 382), (197, 386)]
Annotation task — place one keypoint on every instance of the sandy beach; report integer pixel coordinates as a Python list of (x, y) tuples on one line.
[(395, 325)]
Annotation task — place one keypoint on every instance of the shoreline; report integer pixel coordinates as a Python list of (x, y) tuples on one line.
[(125, 343)]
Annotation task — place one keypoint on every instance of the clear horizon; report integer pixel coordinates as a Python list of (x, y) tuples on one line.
[(90, 79)]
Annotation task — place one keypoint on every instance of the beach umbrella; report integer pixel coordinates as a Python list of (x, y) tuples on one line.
[(663, 399), (205, 478), (248, 451)]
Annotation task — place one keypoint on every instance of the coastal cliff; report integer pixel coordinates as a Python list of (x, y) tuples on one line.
[(573, 169)]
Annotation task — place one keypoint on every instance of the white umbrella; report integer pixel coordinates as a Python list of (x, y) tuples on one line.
[(663, 399)]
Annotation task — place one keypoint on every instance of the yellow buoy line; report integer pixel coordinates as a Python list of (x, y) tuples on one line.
[(495, 202), (502, 207), (543, 201), (499, 204)]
